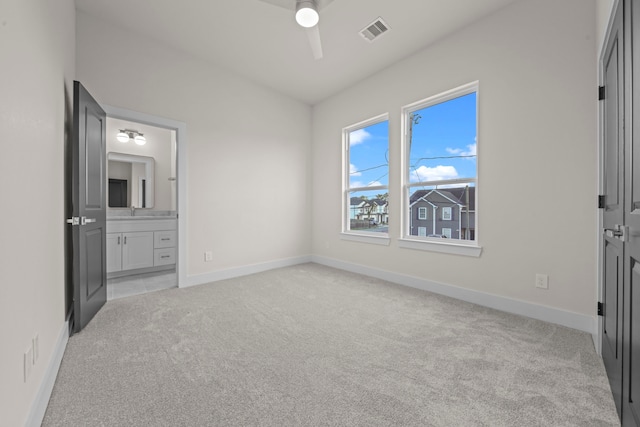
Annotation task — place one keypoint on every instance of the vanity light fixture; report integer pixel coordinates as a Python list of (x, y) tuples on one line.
[(127, 134)]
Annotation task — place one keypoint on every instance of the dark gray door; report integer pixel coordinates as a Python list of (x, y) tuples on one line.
[(631, 308), (613, 218), (89, 274)]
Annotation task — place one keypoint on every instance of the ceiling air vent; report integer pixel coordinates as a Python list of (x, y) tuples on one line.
[(374, 30)]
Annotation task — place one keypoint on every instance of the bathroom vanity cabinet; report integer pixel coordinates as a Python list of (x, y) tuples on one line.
[(140, 245)]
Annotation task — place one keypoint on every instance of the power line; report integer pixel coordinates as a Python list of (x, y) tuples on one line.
[(445, 157), (368, 169)]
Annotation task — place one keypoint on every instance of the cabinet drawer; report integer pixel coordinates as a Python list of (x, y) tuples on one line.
[(164, 239), (164, 256)]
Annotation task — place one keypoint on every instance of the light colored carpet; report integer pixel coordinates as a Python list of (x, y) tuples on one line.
[(313, 346)]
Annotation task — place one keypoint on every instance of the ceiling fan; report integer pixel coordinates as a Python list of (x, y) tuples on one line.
[(307, 15)]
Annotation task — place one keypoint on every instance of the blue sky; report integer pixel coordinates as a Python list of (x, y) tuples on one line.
[(443, 145)]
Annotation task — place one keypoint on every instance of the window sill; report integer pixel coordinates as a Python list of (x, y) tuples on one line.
[(447, 248), (366, 238)]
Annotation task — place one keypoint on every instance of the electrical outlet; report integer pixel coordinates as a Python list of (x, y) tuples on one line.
[(542, 281), (36, 348), (28, 363), (208, 256)]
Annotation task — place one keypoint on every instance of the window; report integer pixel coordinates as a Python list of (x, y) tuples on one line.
[(366, 177), (446, 213), (440, 168), (422, 213)]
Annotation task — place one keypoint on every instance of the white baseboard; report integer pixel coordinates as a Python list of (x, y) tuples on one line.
[(230, 273), (39, 406), (569, 319)]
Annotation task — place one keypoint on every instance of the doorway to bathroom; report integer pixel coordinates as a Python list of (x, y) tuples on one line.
[(143, 231)]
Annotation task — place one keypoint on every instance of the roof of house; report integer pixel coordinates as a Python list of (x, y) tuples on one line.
[(457, 194), (379, 202), (358, 201)]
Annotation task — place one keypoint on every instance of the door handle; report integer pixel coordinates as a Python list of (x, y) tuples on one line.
[(84, 220), (619, 231)]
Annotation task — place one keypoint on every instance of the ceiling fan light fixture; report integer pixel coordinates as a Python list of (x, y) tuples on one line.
[(307, 13)]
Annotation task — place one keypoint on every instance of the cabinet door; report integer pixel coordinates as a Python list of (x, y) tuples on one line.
[(137, 250), (114, 252)]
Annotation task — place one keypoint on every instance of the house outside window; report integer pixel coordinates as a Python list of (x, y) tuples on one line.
[(440, 168), (366, 177)]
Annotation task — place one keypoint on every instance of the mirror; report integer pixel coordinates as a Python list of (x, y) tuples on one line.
[(131, 180)]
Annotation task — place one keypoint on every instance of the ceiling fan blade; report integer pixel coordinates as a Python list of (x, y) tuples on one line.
[(313, 34), (287, 4), (323, 3), (291, 4)]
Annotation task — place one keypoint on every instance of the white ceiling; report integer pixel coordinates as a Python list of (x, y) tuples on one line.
[(262, 42)]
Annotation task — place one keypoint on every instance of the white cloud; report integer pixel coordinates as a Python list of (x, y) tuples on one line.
[(353, 170), (358, 137), (438, 173), (471, 150)]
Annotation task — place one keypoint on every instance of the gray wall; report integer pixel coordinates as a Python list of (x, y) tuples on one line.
[(37, 40), (537, 146)]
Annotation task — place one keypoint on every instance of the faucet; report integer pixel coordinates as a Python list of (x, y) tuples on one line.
[(133, 210)]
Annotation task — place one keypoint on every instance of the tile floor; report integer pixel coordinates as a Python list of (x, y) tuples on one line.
[(139, 284)]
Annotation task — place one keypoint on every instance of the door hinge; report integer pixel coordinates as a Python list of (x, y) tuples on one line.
[(601, 202), (600, 93), (600, 309)]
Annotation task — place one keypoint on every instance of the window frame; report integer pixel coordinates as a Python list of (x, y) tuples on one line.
[(426, 213), (450, 213), (407, 240), (374, 237)]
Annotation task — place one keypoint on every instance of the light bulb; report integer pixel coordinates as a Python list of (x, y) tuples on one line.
[(306, 13), (140, 140), (122, 137)]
